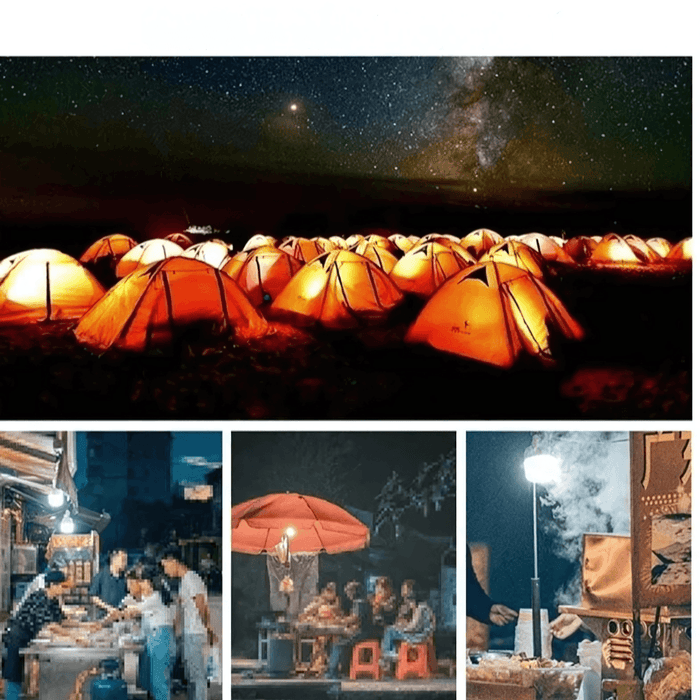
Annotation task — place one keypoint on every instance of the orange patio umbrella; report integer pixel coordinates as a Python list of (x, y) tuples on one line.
[(309, 524)]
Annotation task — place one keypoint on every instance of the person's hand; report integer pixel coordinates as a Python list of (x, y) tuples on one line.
[(501, 615), (565, 625)]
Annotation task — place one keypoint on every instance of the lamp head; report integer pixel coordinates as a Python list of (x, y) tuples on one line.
[(542, 469), (56, 498)]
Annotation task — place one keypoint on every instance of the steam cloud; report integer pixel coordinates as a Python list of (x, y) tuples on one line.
[(592, 495)]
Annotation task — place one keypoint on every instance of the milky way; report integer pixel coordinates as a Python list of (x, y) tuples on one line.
[(555, 123)]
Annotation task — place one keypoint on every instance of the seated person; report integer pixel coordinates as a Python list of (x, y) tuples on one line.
[(358, 623), (414, 624), (383, 602), (324, 608)]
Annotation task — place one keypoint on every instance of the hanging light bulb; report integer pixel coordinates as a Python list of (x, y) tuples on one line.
[(67, 525), (56, 498)]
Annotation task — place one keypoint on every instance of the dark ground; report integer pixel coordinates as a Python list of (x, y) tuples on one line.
[(634, 364)]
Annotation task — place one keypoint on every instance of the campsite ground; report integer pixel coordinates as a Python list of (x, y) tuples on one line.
[(634, 363)]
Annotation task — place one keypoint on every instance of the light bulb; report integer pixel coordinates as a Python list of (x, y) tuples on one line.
[(67, 525), (541, 469), (56, 498)]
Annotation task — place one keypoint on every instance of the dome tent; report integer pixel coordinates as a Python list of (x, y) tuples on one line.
[(491, 313), (426, 267), (479, 241), (45, 285), (213, 252), (264, 273), (546, 247), (339, 289), (112, 247), (182, 239), (614, 249), (379, 255), (147, 253), (512, 252), (660, 245), (682, 251), (580, 248), (258, 240), (301, 248), (148, 307)]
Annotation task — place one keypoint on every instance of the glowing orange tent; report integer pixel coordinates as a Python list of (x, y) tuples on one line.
[(113, 246), (301, 248), (182, 239), (683, 250), (660, 245), (148, 307), (491, 313), (146, 253), (580, 247), (479, 241), (310, 524), (213, 252), (45, 285), (644, 251), (403, 243), (339, 242), (515, 253), (546, 247), (426, 267), (258, 240), (339, 289), (264, 273), (325, 243), (379, 255), (615, 249), (381, 240)]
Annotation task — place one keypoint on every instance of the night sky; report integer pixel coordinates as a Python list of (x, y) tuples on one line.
[(552, 123), (347, 468), (206, 446)]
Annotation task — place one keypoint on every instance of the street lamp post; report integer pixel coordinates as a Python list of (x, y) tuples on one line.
[(539, 469)]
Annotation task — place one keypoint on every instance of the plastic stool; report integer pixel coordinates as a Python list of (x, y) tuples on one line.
[(416, 660), (365, 660)]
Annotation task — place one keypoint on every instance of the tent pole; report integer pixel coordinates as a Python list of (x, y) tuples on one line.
[(48, 293)]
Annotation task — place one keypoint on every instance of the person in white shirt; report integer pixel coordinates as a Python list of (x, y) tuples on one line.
[(193, 622), (157, 613)]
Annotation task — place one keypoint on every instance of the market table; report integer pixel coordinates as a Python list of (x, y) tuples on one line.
[(309, 632), (54, 663)]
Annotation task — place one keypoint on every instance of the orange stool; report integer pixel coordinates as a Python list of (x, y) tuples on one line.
[(416, 660), (365, 660)]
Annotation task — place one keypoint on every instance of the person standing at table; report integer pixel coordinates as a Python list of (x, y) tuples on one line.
[(157, 623), (192, 621), (39, 609), (480, 607), (108, 587)]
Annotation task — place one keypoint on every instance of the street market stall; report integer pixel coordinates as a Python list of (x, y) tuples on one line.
[(634, 600), (64, 658)]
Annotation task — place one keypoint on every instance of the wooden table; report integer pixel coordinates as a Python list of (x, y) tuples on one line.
[(306, 633)]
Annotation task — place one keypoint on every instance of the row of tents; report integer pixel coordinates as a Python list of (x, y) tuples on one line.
[(490, 306)]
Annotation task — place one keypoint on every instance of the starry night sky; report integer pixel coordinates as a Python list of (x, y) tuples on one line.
[(552, 123)]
